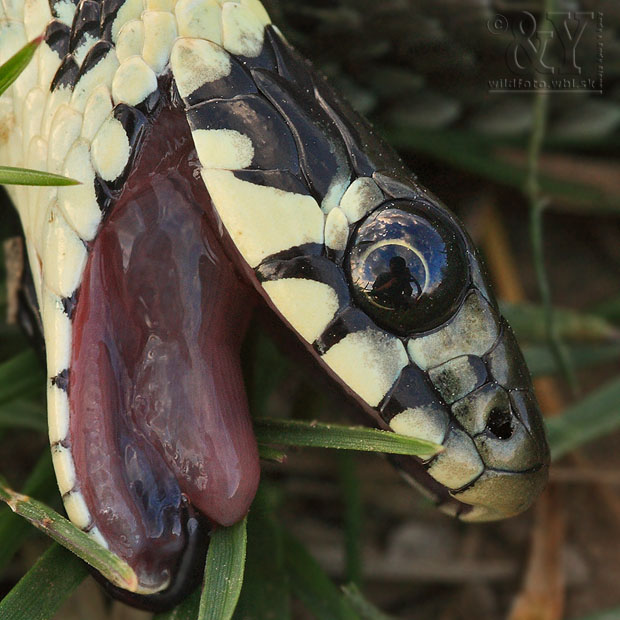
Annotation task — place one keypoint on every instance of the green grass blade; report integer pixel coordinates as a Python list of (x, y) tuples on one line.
[(25, 176), (528, 322), (45, 587), (224, 572), (541, 362), (363, 607), (64, 532), (187, 610), (12, 68), (353, 517), (13, 529), (312, 586), (595, 415), (24, 414), (20, 376), (337, 437)]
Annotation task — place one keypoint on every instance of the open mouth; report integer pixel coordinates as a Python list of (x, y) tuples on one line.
[(158, 412)]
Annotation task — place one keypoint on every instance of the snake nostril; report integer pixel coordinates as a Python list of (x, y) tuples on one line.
[(499, 423)]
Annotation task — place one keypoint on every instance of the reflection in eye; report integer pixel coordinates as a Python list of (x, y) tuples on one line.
[(393, 288), (407, 268)]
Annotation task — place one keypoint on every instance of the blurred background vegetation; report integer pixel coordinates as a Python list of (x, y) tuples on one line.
[(536, 179)]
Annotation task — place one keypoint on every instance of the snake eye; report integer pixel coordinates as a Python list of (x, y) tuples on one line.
[(407, 267)]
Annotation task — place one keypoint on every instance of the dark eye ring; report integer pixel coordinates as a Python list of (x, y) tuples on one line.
[(407, 266)]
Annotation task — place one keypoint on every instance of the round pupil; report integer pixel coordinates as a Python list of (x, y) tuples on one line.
[(408, 269)]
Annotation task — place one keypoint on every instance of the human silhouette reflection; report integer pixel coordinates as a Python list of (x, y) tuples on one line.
[(393, 288)]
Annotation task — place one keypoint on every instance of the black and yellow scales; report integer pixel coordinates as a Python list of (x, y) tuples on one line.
[(219, 171)]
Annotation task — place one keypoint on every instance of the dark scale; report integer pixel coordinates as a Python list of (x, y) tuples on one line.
[(68, 303), (254, 117), (85, 22), (265, 60), (151, 103), (347, 322), (104, 195), (306, 249), (57, 37), (96, 53), (413, 389), (449, 382), (237, 82), (277, 179), (291, 66), (526, 408), (322, 152), (67, 74), (61, 380), (135, 125), (109, 9), (316, 268)]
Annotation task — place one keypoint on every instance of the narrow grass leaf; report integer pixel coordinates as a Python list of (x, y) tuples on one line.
[(224, 572), (353, 517), (528, 322), (337, 437), (596, 415), (24, 414), (20, 376), (312, 586), (12, 68), (187, 610), (68, 535), (45, 587), (25, 176), (364, 608), (541, 361)]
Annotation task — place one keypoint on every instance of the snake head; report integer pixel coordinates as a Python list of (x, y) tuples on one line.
[(377, 278), (214, 163)]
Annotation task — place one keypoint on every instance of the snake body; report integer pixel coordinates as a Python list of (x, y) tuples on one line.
[(217, 166)]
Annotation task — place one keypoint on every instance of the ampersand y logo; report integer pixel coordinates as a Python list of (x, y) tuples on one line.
[(549, 51)]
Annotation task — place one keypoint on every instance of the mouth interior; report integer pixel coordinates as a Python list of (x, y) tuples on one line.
[(158, 407)]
